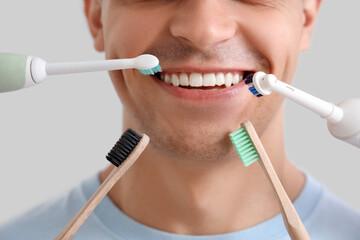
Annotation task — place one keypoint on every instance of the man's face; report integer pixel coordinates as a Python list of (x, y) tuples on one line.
[(207, 37)]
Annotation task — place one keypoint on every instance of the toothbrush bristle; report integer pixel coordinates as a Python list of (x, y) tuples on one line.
[(151, 71), (253, 91), (249, 79), (123, 147), (244, 146)]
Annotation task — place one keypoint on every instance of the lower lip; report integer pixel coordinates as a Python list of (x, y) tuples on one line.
[(196, 95)]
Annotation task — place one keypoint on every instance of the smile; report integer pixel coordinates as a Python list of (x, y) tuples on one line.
[(203, 81)]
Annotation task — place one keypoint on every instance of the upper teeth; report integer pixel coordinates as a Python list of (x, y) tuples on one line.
[(202, 80)]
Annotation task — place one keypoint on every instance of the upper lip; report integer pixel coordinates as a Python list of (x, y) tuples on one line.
[(170, 70)]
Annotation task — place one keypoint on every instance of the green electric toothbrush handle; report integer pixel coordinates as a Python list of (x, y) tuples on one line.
[(15, 72)]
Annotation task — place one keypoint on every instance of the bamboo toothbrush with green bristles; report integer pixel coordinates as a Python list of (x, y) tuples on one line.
[(250, 149), (19, 71)]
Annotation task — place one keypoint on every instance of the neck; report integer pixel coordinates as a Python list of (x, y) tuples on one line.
[(189, 197)]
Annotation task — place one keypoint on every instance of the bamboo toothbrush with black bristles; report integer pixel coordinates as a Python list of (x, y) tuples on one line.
[(250, 149), (125, 152)]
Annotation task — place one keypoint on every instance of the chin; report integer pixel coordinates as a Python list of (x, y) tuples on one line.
[(200, 144)]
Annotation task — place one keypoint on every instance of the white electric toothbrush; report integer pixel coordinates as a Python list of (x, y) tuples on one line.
[(343, 119), (19, 71)]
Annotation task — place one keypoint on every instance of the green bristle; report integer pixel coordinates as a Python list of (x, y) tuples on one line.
[(145, 71), (244, 146), (158, 68), (151, 71)]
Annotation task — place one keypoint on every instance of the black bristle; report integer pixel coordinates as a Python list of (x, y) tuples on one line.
[(123, 147), (157, 74), (249, 79)]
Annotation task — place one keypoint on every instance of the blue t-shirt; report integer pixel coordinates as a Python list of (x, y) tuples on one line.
[(325, 217)]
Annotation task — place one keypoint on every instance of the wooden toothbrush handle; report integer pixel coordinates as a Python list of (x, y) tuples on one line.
[(292, 221), (75, 223)]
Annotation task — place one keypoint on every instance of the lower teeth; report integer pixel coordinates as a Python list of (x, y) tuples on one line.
[(213, 89), (204, 88)]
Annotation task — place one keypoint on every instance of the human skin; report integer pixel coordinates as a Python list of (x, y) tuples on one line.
[(189, 180)]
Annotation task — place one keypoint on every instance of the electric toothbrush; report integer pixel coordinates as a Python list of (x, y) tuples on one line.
[(343, 120), (19, 71)]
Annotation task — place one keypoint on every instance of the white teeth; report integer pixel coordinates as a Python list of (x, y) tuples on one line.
[(167, 79), (228, 79), (209, 80), (196, 80), (175, 80), (220, 79), (202, 80), (237, 79), (184, 80)]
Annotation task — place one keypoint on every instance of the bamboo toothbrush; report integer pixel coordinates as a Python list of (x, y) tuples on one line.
[(250, 149), (19, 71), (123, 155)]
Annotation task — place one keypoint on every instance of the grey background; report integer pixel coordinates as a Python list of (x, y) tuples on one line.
[(54, 135)]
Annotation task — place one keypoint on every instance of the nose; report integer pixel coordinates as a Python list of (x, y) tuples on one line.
[(203, 23)]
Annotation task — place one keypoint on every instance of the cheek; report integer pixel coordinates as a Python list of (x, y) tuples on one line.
[(132, 87), (277, 37), (128, 35)]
